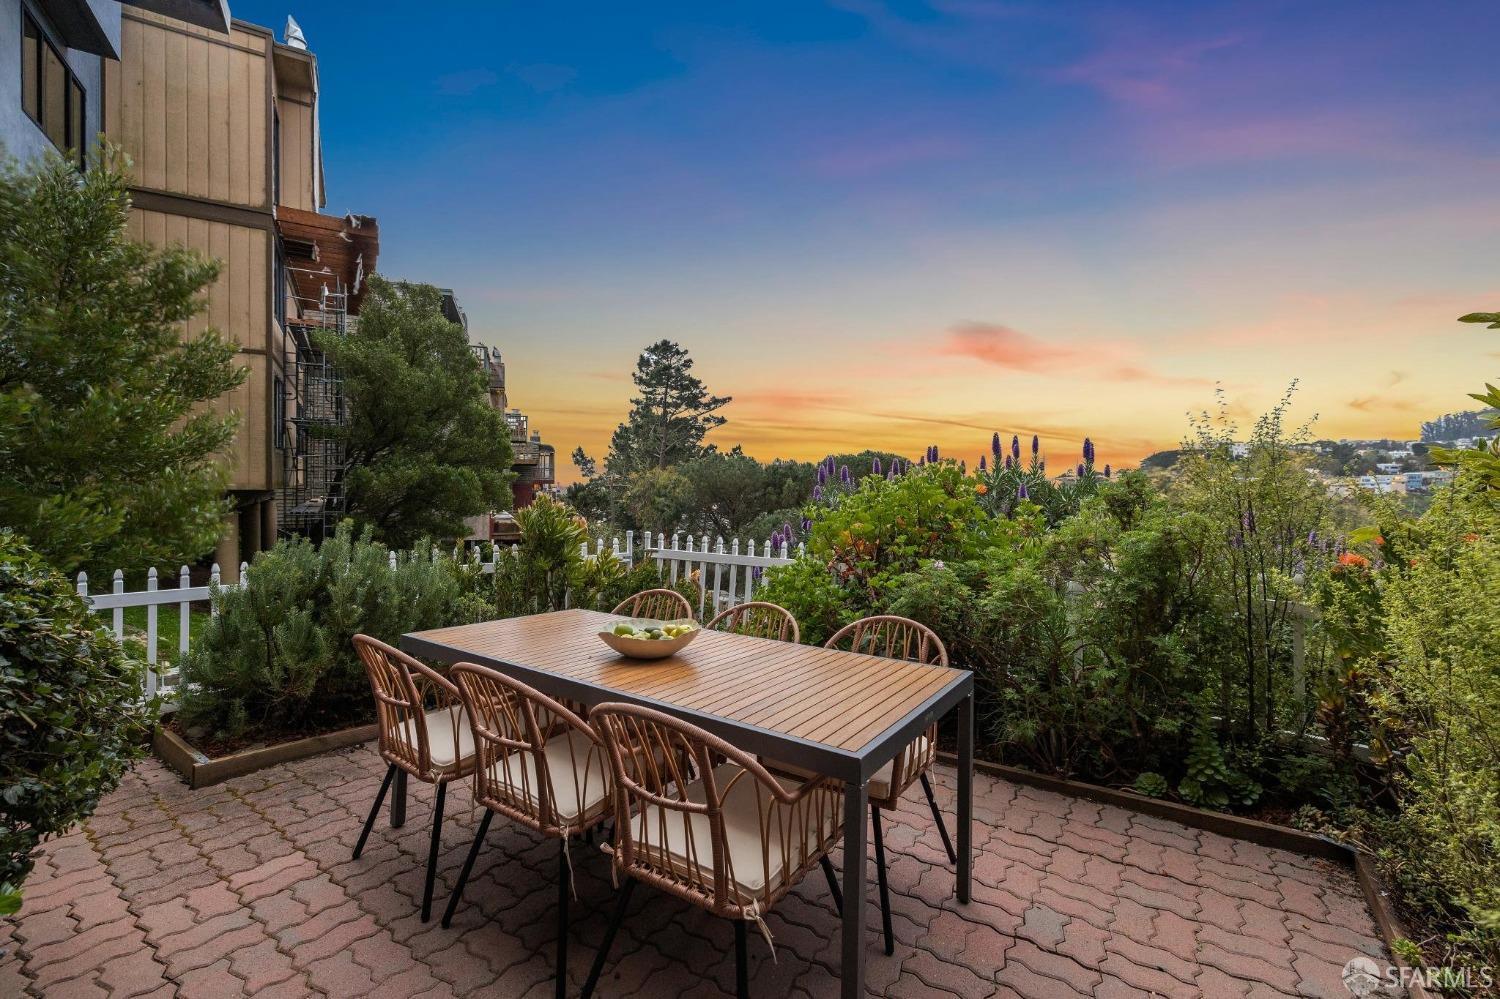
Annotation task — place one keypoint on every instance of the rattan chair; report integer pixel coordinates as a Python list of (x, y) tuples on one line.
[(538, 764), (758, 618), (422, 732), (657, 605), (892, 637), (733, 842)]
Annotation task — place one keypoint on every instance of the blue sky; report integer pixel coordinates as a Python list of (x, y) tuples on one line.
[(889, 224)]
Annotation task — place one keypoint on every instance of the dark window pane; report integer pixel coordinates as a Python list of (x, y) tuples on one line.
[(31, 91), (54, 97)]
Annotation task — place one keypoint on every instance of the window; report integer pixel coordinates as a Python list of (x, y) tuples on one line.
[(50, 94), (278, 410)]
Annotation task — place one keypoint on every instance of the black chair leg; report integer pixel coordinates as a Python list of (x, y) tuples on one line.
[(885, 895), (937, 816), (609, 937), (364, 834), (741, 961), (833, 883), (432, 849), (563, 893), (398, 801), (463, 876)]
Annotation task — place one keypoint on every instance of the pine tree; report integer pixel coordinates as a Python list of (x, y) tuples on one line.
[(107, 456), (424, 447), (669, 418)]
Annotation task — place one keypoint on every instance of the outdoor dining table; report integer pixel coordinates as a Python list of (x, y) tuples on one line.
[(842, 714)]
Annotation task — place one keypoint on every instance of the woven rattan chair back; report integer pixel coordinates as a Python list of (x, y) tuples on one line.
[(515, 774), (677, 841), (405, 690), (657, 605), (760, 619), (892, 637)]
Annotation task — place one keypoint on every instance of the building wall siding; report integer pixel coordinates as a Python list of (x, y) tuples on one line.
[(190, 107), (237, 306)]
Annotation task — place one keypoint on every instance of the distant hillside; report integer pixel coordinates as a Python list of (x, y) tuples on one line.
[(1474, 423), (1161, 459)]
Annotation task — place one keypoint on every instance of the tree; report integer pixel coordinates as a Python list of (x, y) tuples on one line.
[(669, 418), (107, 455), (423, 446), (1482, 462)]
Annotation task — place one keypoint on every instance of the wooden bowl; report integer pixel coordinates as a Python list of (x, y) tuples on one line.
[(647, 648)]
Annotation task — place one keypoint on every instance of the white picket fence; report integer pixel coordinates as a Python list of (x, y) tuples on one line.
[(184, 595), (726, 574)]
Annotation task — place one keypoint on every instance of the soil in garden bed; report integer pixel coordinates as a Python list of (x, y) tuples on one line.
[(217, 748)]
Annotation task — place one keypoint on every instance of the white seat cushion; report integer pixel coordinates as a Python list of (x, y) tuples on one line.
[(447, 751), (743, 833), (579, 771), (880, 781)]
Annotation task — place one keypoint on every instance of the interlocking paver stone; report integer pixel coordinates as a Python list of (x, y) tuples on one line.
[(249, 888)]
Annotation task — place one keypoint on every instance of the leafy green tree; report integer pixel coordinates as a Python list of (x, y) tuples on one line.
[(1482, 462), (71, 716), (424, 447), (108, 456), (669, 417)]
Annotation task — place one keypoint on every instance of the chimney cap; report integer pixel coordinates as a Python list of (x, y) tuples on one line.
[(293, 37)]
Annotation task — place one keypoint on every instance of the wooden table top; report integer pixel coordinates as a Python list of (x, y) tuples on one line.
[(841, 700)]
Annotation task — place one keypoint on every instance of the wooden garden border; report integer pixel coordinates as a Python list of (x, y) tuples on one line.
[(201, 771)]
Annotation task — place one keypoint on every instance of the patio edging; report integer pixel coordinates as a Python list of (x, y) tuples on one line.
[(1262, 833), (201, 771)]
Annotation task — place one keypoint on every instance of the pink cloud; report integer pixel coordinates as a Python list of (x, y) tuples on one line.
[(1005, 347), (1146, 72)]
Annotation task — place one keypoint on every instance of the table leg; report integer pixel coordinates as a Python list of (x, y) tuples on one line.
[(856, 807), (965, 797)]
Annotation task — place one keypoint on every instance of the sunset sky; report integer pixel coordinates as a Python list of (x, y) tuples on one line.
[(895, 224)]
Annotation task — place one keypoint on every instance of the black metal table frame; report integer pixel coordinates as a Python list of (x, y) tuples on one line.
[(855, 769)]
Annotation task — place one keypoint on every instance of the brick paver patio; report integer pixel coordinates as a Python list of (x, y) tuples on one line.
[(248, 887)]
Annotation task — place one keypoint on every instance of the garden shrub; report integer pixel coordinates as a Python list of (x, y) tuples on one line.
[(1437, 699), (71, 716), (278, 658)]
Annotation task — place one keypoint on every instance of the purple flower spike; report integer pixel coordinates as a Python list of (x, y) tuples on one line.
[(1106, 471), (1015, 446), (1080, 469), (1021, 492), (1088, 451), (1007, 463), (995, 444), (1312, 538), (806, 524), (922, 461), (963, 467), (818, 492), (983, 464), (844, 475), (875, 468), (1036, 445)]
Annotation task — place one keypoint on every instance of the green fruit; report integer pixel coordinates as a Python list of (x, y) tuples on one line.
[(624, 630)]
